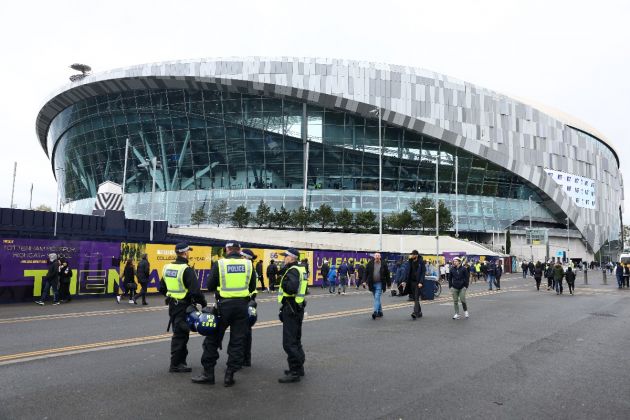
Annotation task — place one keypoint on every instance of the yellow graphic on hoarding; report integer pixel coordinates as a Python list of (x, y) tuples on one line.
[(275, 255)]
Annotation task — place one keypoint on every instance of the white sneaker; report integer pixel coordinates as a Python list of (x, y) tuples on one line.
[(456, 316), (343, 293), (466, 314), (130, 300), (117, 298)]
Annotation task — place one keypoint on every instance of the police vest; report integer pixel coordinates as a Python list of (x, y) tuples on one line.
[(173, 276), (234, 275), (299, 297)]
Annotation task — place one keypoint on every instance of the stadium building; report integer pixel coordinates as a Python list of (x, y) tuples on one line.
[(305, 130)]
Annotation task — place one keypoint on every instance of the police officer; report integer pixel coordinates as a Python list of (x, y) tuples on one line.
[(248, 254), (293, 285), (233, 280), (180, 286)]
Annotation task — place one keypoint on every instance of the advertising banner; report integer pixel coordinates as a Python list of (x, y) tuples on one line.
[(24, 263), (336, 258), (275, 256), (159, 255)]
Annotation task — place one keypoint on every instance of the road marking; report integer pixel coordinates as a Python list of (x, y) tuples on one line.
[(135, 341)]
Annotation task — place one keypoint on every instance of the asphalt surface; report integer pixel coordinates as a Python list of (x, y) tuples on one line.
[(522, 354)]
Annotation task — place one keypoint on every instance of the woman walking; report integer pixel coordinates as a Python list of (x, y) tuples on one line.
[(129, 278), (538, 273)]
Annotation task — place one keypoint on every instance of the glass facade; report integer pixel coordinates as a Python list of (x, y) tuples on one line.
[(218, 144)]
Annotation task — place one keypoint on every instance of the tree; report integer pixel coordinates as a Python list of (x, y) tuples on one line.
[(241, 216), (425, 211), (220, 213), (43, 207), (263, 215), (324, 216), (508, 242), (301, 217), (401, 221), (344, 220), (281, 218), (365, 221), (198, 217)]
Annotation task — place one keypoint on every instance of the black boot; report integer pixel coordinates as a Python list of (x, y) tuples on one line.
[(293, 376), (181, 368), (300, 372), (229, 378), (204, 378)]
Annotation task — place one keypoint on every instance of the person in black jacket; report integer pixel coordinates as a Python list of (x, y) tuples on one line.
[(459, 285), (65, 277), (377, 278), (51, 280), (549, 276), (570, 278), (177, 309), (259, 274), (325, 270), (538, 274), (143, 273), (415, 281), (129, 278), (272, 273)]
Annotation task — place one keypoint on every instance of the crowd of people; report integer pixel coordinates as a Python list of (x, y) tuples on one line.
[(57, 278)]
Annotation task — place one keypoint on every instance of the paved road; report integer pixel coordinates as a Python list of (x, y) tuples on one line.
[(522, 354)]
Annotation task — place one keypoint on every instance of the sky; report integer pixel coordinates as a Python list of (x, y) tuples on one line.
[(570, 55)]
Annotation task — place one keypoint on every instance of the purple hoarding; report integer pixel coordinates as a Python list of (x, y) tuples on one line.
[(336, 258), (23, 265)]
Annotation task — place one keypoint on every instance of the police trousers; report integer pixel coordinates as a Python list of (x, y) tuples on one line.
[(292, 317), (181, 332), (233, 314)]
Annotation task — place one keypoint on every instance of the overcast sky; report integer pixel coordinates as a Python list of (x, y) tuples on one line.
[(571, 55)]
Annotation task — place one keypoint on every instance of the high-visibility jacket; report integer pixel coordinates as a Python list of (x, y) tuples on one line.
[(299, 297), (234, 275), (173, 276)]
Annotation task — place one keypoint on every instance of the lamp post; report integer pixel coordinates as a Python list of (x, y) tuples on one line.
[(531, 245), (456, 197), (57, 203), (437, 214), (155, 164), (378, 111)]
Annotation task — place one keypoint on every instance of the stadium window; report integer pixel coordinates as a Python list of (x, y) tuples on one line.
[(559, 176), (568, 178)]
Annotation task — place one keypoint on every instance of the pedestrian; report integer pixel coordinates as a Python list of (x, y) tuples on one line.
[(558, 274), (332, 279), (342, 274), (525, 268), (233, 280), (248, 254), (498, 272), (458, 284), (65, 277), (538, 273), (143, 273), (293, 287), (259, 274), (180, 286), (491, 270), (51, 280), (129, 278), (530, 267), (570, 277), (272, 272), (377, 278), (400, 277), (626, 274), (549, 276), (324, 272), (619, 275), (478, 270), (351, 274), (360, 274), (414, 281)]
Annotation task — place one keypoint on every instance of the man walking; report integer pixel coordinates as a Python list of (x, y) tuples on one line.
[(377, 277), (558, 275), (415, 281), (458, 284), (491, 272), (272, 272), (259, 274), (324, 270), (342, 273), (143, 272), (51, 280)]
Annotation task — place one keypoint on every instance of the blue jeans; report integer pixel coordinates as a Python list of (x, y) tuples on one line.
[(331, 287), (490, 279), (378, 291), (46, 290), (558, 286)]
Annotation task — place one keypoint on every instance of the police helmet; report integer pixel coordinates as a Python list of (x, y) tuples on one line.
[(192, 317), (208, 323), (252, 313)]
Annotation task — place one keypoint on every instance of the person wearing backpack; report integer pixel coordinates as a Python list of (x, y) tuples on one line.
[(549, 276)]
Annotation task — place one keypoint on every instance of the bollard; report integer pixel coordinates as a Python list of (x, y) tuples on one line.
[(585, 277), (604, 276)]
